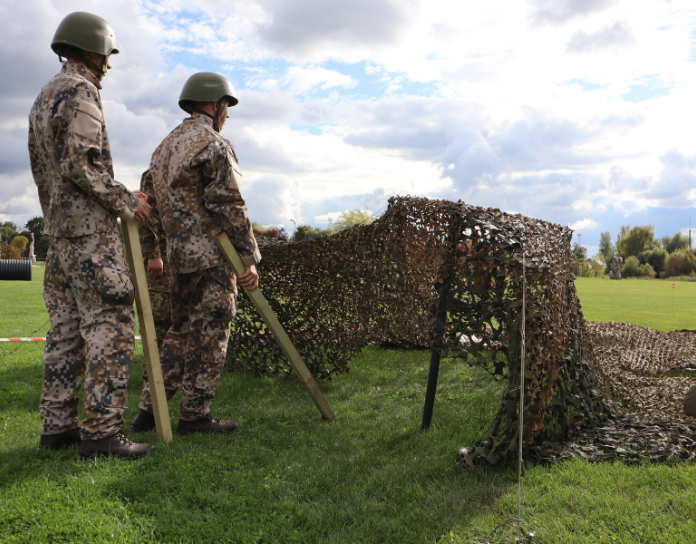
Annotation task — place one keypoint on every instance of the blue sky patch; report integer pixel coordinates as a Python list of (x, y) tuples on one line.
[(586, 85), (317, 130), (647, 89), (692, 49)]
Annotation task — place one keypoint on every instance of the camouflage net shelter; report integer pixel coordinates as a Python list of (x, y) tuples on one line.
[(381, 284)]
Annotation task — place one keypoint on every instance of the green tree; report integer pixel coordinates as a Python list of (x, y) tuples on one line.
[(636, 240), (607, 249), (20, 242), (657, 258), (679, 265), (36, 226), (579, 252), (8, 251), (674, 243), (305, 232), (42, 246), (7, 230), (633, 269), (350, 218)]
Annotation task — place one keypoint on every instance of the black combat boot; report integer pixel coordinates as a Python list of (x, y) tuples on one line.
[(145, 421), (60, 440), (118, 445), (207, 424)]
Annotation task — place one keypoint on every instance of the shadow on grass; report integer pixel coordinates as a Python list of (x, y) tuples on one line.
[(287, 475)]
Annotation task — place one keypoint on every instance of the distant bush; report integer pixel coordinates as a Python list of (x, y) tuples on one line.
[(679, 264), (20, 242), (9, 251), (631, 267), (657, 258), (305, 232), (272, 233), (684, 278), (595, 269), (647, 271)]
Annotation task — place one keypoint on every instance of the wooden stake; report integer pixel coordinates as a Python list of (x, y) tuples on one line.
[(269, 317), (134, 255)]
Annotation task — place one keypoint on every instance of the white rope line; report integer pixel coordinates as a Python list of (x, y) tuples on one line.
[(521, 422)]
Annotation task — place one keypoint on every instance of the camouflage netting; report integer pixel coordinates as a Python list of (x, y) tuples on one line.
[(636, 367), (380, 284)]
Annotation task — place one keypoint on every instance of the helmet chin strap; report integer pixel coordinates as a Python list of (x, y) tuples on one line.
[(216, 118)]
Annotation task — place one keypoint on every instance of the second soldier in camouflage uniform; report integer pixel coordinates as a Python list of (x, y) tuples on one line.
[(159, 276), (87, 288), (196, 180)]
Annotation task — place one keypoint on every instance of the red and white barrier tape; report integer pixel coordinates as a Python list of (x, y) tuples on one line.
[(37, 339), (33, 339)]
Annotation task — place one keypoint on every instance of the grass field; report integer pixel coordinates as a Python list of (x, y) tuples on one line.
[(651, 303), (287, 476)]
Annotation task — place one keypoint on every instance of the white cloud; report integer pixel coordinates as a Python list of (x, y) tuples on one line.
[(487, 102), (301, 79), (617, 35), (327, 218), (583, 224), (560, 11)]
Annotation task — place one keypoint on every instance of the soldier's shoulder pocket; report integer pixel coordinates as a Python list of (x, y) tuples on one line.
[(88, 121)]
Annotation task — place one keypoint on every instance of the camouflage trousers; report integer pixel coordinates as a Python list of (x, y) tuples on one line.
[(193, 354), (89, 296), (161, 303)]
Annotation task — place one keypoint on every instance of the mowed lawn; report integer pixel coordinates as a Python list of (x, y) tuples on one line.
[(650, 303), (287, 476)]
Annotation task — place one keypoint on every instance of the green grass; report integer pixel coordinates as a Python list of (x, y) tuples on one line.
[(287, 476), (651, 303)]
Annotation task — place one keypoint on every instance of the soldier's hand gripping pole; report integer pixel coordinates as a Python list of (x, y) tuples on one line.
[(134, 255), (269, 317)]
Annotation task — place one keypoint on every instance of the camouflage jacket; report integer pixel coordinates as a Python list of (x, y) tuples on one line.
[(195, 179), (71, 159), (153, 240)]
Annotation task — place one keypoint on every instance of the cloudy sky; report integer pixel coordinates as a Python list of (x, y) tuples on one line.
[(579, 112)]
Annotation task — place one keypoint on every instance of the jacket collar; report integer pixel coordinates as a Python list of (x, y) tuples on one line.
[(77, 69), (200, 118)]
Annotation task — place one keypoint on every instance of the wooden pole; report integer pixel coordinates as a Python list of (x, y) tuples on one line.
[(269, 317), (134, 255)]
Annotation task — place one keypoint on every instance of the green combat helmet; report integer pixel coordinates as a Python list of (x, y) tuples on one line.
[(82, 31), (207, 87)]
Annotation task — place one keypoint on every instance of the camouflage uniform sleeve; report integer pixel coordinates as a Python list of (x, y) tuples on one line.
[(153, 241), (81, 144), (222, 195), (40, 177), (152, 235)]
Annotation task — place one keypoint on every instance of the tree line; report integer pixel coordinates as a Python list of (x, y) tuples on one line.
[(14, 240), (644, 255), (344, 220)]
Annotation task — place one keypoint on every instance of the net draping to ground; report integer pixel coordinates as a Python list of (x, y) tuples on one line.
[(380, 284), (636, 365)]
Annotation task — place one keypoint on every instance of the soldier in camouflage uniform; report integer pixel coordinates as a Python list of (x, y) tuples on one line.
[(195, 179), (88, 291), (159, 277)]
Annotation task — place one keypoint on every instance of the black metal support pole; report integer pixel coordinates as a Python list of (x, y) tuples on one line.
[(439, 331)]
